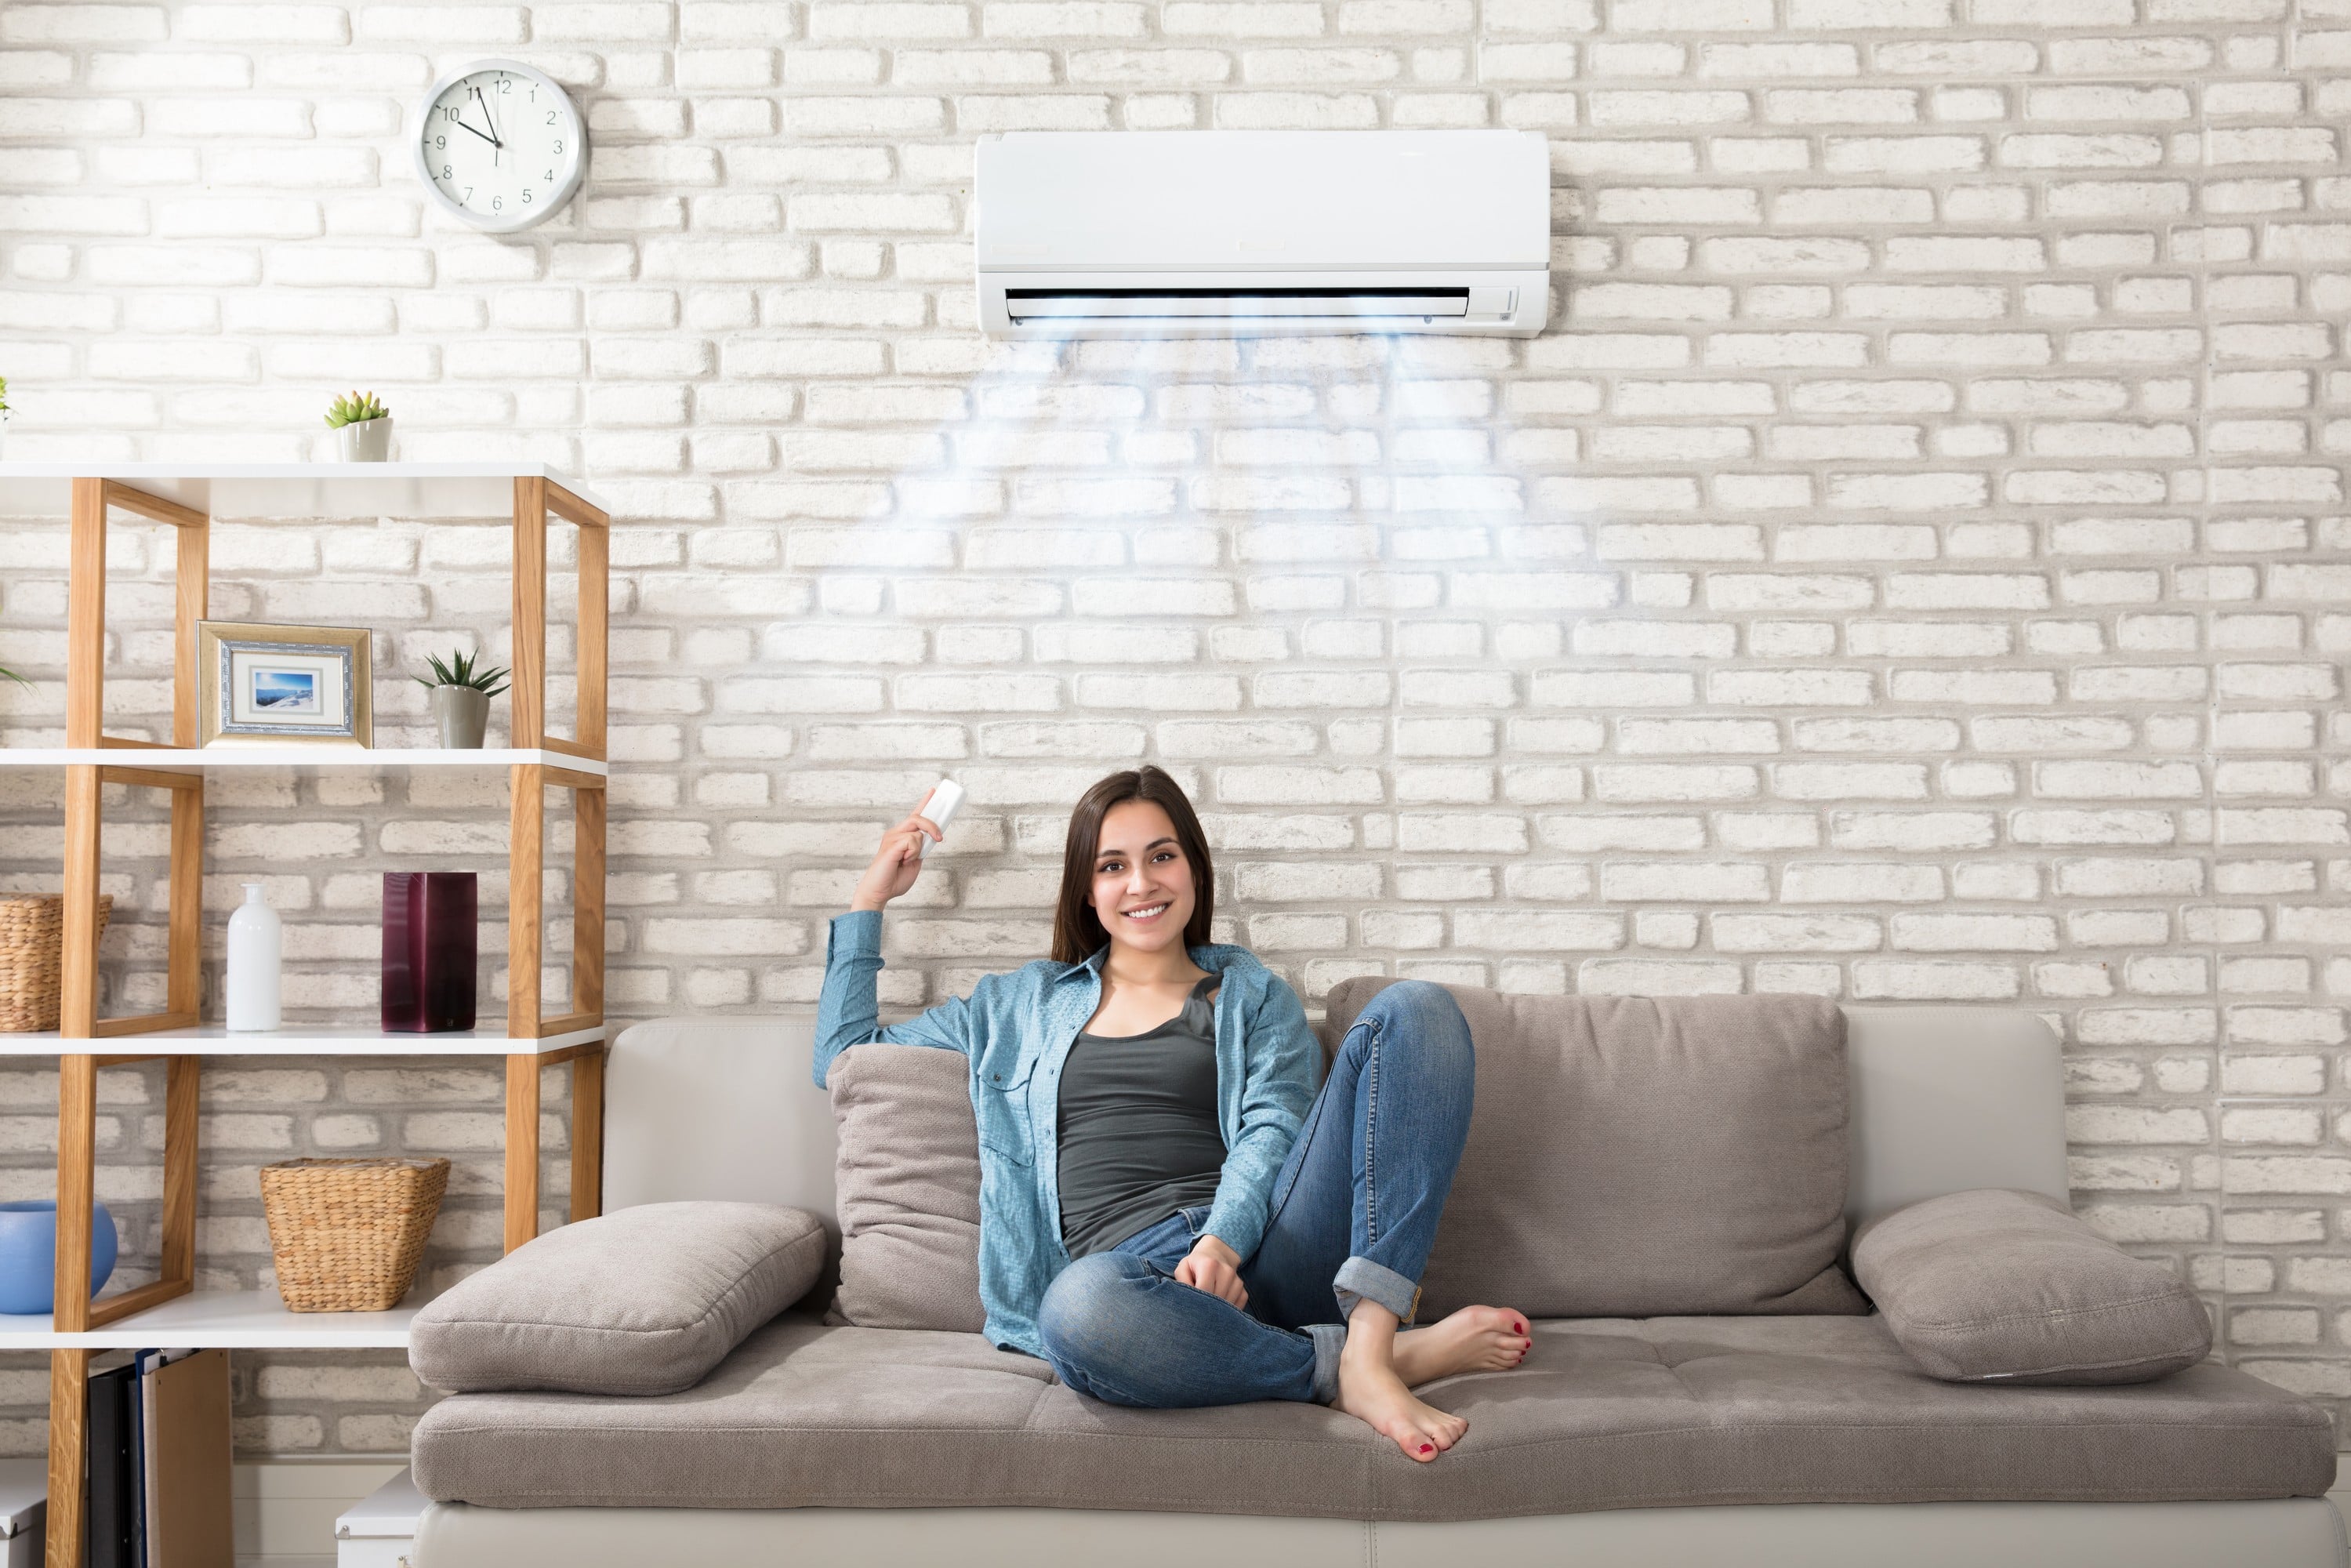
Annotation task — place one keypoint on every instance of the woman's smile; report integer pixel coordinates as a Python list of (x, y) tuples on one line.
[(1147, 912)]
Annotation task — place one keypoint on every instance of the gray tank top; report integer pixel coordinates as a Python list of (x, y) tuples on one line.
[(1138, 1126)]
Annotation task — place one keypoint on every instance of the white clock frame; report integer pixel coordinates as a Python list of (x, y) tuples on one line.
[(574, 170)]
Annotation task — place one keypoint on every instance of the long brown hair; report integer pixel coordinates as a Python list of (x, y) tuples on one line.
[(1078, 932)]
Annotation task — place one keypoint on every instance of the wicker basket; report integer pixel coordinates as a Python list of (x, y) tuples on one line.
[(32, 958), (347, 1234)]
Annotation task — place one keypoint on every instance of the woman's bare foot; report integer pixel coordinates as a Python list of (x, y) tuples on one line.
[(1475, 1339), (1370, 1390)]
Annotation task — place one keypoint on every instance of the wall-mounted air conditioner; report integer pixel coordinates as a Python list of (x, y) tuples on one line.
[(1215, 233)]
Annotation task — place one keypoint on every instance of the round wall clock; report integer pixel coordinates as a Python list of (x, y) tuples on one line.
[(500, 145)]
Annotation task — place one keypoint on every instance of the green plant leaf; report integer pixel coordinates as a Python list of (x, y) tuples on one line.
[(356, 408), (460, 671)]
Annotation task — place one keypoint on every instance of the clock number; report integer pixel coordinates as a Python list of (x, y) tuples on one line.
[(468, 195), (559, 147), (548, 175), (551, 117), (446, 171), (440, 142), (526, 196), (497, 204)]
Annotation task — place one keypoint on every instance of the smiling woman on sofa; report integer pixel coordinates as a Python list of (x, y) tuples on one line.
[(1169, 1213)]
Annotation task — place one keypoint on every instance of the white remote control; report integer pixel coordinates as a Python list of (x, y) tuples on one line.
[(946, 801)]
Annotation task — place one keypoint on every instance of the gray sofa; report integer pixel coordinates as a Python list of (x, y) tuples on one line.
[(1654, 1439)]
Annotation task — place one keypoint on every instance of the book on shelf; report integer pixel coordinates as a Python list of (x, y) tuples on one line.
[(108, 1519), (160, 1461)]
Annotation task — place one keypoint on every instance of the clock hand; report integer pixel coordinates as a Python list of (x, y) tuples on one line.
[(492, 118), (463, 126)]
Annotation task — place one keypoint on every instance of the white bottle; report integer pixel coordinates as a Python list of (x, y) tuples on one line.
[(254, 947)]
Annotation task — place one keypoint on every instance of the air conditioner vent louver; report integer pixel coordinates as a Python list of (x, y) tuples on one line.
[(1364, 305), (1148, 233)]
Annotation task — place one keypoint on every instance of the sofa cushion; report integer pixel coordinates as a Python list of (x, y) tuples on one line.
[(641, 1301), (1634, 1157), (2008, 1285), (1605, 1413), (906, 1185)]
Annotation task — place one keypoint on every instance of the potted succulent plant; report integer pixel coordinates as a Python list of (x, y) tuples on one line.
[(362, 425), (461, 698)]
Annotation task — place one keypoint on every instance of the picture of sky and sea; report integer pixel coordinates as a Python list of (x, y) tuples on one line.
[(286, 691)]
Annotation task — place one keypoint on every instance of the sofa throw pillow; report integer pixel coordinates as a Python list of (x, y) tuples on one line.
[(2000, 1284), (906, 1186), (1634, 1157), (641, 1300)]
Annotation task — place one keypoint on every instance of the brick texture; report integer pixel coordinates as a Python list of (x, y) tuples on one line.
[(1914, 568)]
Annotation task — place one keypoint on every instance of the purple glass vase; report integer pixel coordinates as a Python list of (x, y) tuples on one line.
[(429, 947)]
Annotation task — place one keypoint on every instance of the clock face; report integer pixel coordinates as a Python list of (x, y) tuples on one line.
[(500, 145)]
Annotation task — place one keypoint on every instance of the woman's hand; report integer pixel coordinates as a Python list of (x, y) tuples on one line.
[(1213, 1267), (896, 864)]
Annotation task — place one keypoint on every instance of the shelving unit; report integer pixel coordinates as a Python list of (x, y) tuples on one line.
[(189, 499)]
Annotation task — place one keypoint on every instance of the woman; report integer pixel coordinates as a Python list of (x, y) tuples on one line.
[(1169, 1213)]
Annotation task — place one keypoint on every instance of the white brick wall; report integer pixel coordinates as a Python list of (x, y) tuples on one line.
[(1914, 567)]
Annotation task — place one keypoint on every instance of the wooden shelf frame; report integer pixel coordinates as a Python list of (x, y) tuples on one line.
[(93, 502)]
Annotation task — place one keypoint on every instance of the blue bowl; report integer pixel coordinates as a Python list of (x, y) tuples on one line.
[(28, 1254)]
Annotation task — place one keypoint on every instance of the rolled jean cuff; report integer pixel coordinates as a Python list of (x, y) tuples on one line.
[(1360, 1280), (1329, 1339)]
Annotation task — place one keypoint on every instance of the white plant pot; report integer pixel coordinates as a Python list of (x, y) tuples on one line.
[(370, 441)]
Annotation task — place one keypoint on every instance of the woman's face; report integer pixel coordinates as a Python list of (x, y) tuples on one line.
[(1143, 883)]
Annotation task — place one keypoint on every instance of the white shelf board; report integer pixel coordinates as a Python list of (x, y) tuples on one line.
[(296, 1040), (306, 759), (237, 1319), (315, 490)]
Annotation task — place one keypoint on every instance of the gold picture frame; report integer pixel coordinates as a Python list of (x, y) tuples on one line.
[(285, 686)]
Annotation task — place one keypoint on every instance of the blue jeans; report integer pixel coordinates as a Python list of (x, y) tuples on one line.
[(1354, 1213)]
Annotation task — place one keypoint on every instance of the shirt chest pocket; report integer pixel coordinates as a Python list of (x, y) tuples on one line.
[(1003, 1109)]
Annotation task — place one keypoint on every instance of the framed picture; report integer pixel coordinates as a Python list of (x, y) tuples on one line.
[(273, 685)]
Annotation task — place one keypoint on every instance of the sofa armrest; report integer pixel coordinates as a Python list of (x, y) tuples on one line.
[(2001, 1284), (644, 1301)]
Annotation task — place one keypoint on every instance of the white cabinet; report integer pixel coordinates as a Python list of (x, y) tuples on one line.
[(379, 1531)]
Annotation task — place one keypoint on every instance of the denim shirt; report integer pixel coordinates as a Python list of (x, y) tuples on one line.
[(1015, 1029)]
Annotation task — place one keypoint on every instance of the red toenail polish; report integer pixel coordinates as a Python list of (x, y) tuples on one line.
[(1425, 1448)]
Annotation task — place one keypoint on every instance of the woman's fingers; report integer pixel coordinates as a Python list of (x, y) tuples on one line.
[(921, 821), (1225, 1283)]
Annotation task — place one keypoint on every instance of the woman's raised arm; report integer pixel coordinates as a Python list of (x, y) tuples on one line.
[(848, 1009)]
